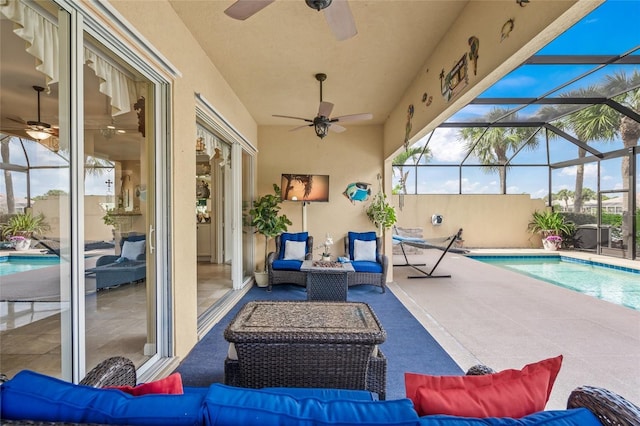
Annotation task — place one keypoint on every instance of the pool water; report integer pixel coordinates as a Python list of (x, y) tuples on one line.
[(620, 286), (14, 264)]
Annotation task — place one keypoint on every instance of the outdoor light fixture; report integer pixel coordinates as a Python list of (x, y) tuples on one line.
[(38, 135)]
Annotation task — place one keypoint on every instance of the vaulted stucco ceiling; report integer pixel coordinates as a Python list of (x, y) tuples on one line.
[(271, 58)]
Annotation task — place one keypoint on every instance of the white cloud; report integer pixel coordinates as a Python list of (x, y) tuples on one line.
[(590, 171), (445, 146)]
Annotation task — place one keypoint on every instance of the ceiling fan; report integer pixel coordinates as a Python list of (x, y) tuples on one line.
[(336, 12), (38, 129), (323, 122)]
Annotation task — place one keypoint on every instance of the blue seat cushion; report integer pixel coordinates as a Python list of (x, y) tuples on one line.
[(287, 265), (325, 394), (34, 396), (226, 405), (366, 266), (285, 236), (364, 236), (573, 417)]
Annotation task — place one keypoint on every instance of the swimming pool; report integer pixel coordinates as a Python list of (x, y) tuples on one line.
[(14, 264), (611, 283)]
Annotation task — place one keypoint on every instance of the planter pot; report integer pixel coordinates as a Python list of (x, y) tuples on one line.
[(550, 246), (326, 258), (22, 245), (262, 279)]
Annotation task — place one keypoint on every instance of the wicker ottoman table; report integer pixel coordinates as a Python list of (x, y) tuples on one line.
[(327, 280), (307, 344)]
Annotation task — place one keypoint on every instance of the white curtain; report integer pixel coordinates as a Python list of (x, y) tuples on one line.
[(41, 36)]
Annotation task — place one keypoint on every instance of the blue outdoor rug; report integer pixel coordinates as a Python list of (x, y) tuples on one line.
[(408, 348)]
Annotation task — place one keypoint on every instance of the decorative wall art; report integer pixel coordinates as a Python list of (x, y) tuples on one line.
[(407, 130), (357, 191), (427, 99), (474, 47), (452, 83), (522, 3), (507, 27)]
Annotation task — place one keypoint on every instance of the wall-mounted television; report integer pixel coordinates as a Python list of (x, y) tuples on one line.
[(307, 188)]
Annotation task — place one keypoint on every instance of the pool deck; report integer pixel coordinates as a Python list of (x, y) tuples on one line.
[(488, 315)]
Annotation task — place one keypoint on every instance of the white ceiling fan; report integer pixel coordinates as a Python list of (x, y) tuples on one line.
[(323, 122), (336, 12)]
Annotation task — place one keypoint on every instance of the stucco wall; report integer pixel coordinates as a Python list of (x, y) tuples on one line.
[(488, 221), (352, 156), (161, 27)]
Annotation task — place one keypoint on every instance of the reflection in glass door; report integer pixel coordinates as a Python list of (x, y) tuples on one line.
[(35, 287), (120, 303), (212, 214)]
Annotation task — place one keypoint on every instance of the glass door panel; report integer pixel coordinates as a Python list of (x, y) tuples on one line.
[(35, 284), (120, 289)]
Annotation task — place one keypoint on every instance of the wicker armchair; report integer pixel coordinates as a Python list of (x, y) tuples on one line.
[(366, 276), (114, 371), (287, 276)]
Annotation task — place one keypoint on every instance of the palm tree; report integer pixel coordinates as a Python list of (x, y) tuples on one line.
[(493, 146), (600, 122), (563, 195), (8, 179), (417, 154)]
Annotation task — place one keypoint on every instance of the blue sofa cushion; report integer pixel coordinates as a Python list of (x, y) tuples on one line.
[(366, 266), (285, 236), (226, 405), (325, 394), (364, 236), (573, 417), (34, 396), (287, 265)]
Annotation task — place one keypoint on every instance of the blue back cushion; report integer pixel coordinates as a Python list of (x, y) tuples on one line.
[(365, 236), (34, 396), (228, 405), (284, 237), (574, 417)]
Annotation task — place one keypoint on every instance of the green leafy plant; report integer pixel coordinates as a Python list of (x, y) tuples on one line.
[(25, 225), (381, 213), (265, 219), (550, 223), (108, 218)]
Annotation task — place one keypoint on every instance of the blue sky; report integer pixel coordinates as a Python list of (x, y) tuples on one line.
[(611, 29)]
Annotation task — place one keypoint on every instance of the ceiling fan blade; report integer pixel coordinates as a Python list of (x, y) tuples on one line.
[(243, 9), (17, 120), (295, 118), (300, 127), (325, 108), (336, 128), (340, 20), (353, 117)]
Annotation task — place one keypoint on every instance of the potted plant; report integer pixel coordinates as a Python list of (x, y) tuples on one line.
[(265, 219), (381, 213), (21, 227), (552, 242), (547, 223), (326, 249)]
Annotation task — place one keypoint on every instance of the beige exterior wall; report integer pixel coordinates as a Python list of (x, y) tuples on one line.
[(161, 27), (488, 221), (352, 156)]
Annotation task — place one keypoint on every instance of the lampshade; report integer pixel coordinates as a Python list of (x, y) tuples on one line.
[(322, 128), (38, 135)]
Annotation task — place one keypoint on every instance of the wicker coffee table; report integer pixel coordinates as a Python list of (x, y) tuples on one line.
[(307, 344), (327, 281)]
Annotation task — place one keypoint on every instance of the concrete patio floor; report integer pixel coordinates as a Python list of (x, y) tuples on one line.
[(487, 315)]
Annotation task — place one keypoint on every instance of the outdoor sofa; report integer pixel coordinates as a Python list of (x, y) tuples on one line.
[(34, 399)]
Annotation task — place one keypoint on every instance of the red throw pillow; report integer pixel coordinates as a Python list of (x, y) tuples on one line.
[(508, 393), (169, 385)]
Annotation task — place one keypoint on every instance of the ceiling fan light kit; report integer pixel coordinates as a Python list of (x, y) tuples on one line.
[(38, 135), (322, 122), (38, 129)]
